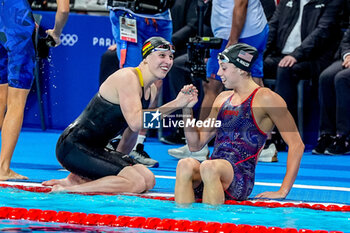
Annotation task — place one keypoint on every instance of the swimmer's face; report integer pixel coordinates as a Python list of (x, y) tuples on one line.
[(160, 62), (229, 74)]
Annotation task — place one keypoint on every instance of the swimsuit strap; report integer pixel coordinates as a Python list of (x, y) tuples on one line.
[(145, 103), (140, 75), (256, 89)]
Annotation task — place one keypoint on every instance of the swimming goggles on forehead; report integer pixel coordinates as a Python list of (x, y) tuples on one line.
[(165, 47), (223, 58)]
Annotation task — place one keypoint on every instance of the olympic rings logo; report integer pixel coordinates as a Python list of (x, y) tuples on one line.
[(68, 39)]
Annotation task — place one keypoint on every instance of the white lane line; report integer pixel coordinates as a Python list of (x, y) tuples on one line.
[(300, 186), (29, 184), (166, 177), (303, 186)]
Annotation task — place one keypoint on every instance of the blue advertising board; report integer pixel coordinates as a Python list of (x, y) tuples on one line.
[(69, 76)]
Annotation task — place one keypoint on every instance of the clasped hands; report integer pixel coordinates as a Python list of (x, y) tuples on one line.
[(187, 97)]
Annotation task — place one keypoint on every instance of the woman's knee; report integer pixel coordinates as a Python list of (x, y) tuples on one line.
[(186, 168), (138, 186), (150, 182), (214, 170), (209, 169), (136, 182), (147, 175)]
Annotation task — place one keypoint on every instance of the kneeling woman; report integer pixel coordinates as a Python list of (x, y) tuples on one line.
[(116, 108)]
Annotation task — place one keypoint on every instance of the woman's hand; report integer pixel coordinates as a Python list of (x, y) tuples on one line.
[(272, 195), (187, 97)]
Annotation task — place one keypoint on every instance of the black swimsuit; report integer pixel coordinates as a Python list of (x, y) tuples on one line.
[(81, 147)]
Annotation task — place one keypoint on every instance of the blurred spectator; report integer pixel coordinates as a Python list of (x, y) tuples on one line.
[(303, 38), (334, 89), (269, 8), (109, 63), (183, 14), (131, 28), (17, 56), (185, 24)]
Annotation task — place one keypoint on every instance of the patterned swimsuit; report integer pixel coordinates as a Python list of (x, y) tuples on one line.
[(239, 141)]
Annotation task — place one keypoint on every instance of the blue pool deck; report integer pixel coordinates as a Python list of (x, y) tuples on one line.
[(321, 178)]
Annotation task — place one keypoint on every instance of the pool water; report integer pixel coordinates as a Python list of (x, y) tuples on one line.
[(300, 218)]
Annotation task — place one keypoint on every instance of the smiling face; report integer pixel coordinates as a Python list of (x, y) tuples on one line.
[(230, 75), (160, 62)]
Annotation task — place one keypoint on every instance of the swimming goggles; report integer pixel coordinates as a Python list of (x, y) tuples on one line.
[(223, 58), (165, 47)]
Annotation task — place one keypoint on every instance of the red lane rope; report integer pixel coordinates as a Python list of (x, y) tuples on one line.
[(141, 222), (331, 207)]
